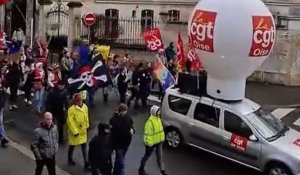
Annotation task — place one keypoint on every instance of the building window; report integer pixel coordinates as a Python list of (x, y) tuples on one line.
[(111, 23), (147, 19), (133, 14), (174, 15)]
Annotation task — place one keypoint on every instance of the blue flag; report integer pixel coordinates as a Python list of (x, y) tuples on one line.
[(12, 47)]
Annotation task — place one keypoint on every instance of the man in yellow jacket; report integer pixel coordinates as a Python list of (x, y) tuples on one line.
[(78, 123), (154, 137)]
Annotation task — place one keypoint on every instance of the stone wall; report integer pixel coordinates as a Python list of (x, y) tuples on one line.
[(283, 65)]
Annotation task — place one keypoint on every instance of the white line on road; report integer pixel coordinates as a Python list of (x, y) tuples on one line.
[(153, 98), (29, 154), (297, 122), (281, 112)]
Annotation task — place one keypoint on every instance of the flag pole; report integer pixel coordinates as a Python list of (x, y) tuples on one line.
[(198, 83)]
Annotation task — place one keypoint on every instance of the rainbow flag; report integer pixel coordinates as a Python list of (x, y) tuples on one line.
[(163, 75)]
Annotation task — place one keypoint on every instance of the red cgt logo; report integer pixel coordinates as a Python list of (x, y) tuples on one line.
[(202, 30), (263, 36)]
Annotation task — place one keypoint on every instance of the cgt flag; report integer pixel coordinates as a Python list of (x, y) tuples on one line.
[(163, 75), (193, 57), (153, 39), (93, 75), (180, 60)]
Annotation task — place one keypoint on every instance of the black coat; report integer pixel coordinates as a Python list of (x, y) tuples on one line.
[(29, 82), (13, 76), (136, 77), (57, 103), (120, 132), (122, 85), (2, 98), (145, 80), (100, 151)]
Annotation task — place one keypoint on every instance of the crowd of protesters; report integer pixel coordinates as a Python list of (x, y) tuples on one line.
[(45, 90)]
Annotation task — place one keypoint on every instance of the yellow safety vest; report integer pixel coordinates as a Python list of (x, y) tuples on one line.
[(154, 131)]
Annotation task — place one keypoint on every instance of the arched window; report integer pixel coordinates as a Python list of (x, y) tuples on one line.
[(147, 18), (174, 15), (111, 23)]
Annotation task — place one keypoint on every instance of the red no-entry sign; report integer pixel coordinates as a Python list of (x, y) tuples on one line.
[(89, 19)]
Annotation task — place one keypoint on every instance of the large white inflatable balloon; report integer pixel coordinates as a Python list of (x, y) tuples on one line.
[(232, 38)]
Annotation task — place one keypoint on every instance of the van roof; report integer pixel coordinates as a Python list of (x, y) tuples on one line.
[(243, 107)]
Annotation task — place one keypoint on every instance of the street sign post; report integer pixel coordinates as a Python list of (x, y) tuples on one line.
[(89, 19)]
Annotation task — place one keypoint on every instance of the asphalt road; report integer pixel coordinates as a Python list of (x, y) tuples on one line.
[(185, 161)]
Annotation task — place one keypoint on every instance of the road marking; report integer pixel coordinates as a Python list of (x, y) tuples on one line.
[(153, 98), (29, 154), (281, 112), (297, 122)]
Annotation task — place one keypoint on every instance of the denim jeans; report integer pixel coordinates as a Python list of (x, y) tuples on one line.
[(39, 99), (2, 131), (119, 164)]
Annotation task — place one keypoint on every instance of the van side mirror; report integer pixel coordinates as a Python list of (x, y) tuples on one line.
[(253, 138)]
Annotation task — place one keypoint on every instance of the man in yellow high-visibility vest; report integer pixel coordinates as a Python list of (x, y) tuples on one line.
[(154, 137)]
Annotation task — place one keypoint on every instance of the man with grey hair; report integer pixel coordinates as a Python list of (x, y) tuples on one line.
[(45, 145)]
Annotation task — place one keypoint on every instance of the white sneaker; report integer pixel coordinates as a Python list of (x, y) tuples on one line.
[(25, 100), (29, 102), (15, 106), (10, 107)]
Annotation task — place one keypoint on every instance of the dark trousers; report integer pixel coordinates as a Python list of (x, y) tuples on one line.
[(83, 150), (148, 152), (60, 126), (27, 91), (13, 94), (50, 164), (104, 169), (134, 94), (144, 94), (119, 164), (122, 97)]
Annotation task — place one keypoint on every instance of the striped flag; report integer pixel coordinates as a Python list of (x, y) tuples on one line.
[(163, 75)]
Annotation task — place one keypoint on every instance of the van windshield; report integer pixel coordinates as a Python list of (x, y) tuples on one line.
[(266, 124)]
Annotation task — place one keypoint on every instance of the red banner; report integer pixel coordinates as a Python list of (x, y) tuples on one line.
[(193, 57), (180, 60), (3, 2), (153, 39)]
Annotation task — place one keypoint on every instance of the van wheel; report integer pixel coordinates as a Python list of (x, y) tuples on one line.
[(173, 138), (278, 169)]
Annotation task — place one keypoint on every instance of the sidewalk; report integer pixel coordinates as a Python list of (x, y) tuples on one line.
[(18, 160), (13, 162)]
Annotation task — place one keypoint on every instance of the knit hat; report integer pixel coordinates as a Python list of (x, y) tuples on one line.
[(122, 107), (76, 98)]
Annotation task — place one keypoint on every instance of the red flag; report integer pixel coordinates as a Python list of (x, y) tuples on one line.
[(3, 2), (180, 60), (193, 57), (153, 39)]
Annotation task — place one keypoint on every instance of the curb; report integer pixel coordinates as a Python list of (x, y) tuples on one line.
[(25, 151)]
